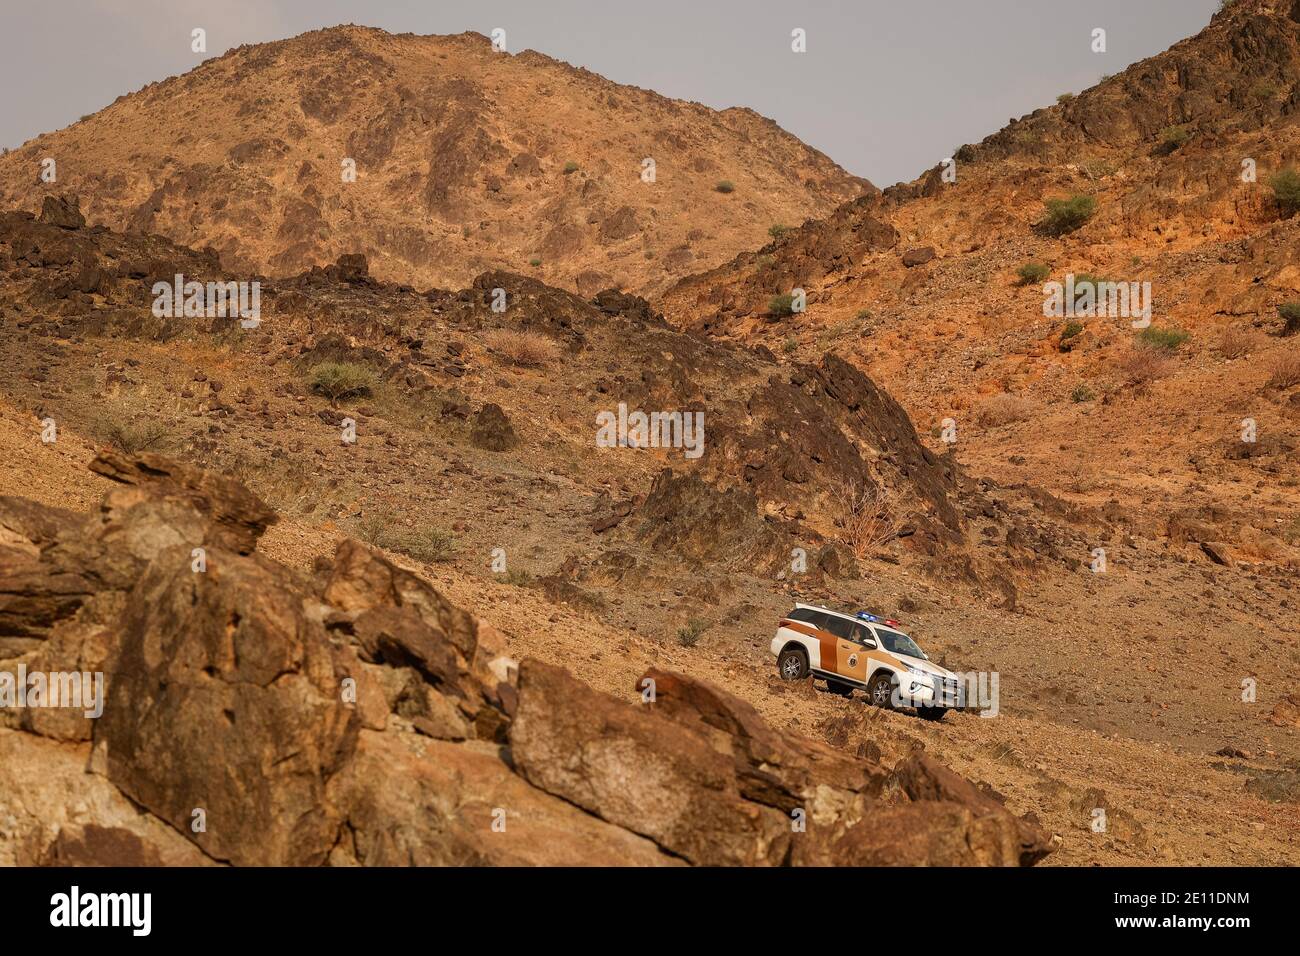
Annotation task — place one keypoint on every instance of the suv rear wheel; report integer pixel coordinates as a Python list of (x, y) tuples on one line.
[(881, 690), (792, 664)]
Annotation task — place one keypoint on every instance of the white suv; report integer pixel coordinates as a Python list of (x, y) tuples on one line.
[(861, 650)]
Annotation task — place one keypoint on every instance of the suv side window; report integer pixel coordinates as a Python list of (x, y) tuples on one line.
[(840, 627), (807, 616), (861, 634)]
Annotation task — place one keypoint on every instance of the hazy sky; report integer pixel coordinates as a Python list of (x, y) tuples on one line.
[(886, 88)]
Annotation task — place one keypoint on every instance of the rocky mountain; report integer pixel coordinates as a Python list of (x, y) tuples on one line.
[(465, 159), (937, 288)]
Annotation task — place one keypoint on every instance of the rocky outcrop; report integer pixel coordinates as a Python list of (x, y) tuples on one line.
[(491, 429), (62, 211), (704, 524), (255, 715)]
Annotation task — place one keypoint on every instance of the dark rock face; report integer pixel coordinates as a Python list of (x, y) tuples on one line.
[(535, 306), (492, 430), (352, 267), (702, 523), (62, 211), (614, 302), (826, 416)]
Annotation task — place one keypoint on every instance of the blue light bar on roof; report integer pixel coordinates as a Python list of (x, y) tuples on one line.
[(870, 618)]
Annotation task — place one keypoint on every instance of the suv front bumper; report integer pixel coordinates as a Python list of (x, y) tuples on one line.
[(927, 691)]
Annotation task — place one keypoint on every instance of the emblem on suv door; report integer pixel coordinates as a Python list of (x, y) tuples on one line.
[(853, 660)]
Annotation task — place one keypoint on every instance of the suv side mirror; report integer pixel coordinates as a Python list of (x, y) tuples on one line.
[(869, 643)]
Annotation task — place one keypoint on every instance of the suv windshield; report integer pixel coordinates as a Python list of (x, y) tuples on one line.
[(897, 642)]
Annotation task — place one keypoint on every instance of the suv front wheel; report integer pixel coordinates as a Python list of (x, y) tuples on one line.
[(792, 664), (881, 690)]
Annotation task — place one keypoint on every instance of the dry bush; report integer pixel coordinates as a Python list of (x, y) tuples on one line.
[(1234, 343), (1081, 479), (1003, 410), (422, 544), (134, 437), (1142, 365), (867, 516), (526, 349), (1284, 371)]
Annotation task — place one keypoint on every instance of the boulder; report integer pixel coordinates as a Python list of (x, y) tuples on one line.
[(227, 699), (640, 771), (491, 429), (917, 257), (411, 801)]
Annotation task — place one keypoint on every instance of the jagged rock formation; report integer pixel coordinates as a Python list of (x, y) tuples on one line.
[(269, 718)]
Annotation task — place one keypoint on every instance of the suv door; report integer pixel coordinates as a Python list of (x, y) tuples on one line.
[(857, 663), (850, 661)]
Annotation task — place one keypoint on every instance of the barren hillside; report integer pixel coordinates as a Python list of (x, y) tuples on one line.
[(475, 466), (465, 160)]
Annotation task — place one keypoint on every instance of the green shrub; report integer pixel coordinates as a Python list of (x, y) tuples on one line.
[(1087, 278), (725, 186), (781, 305), (570, 167), (864, 315), (1072, 328), (690, 635), (1082, 393), (519, 579), (1065, 98), (777, 231), (534, 262), (1165, 340), (1286, 188), (1067, 215), (1171, 138), (1032, 273), (1290, 311), (790, 346), (339, 380)]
